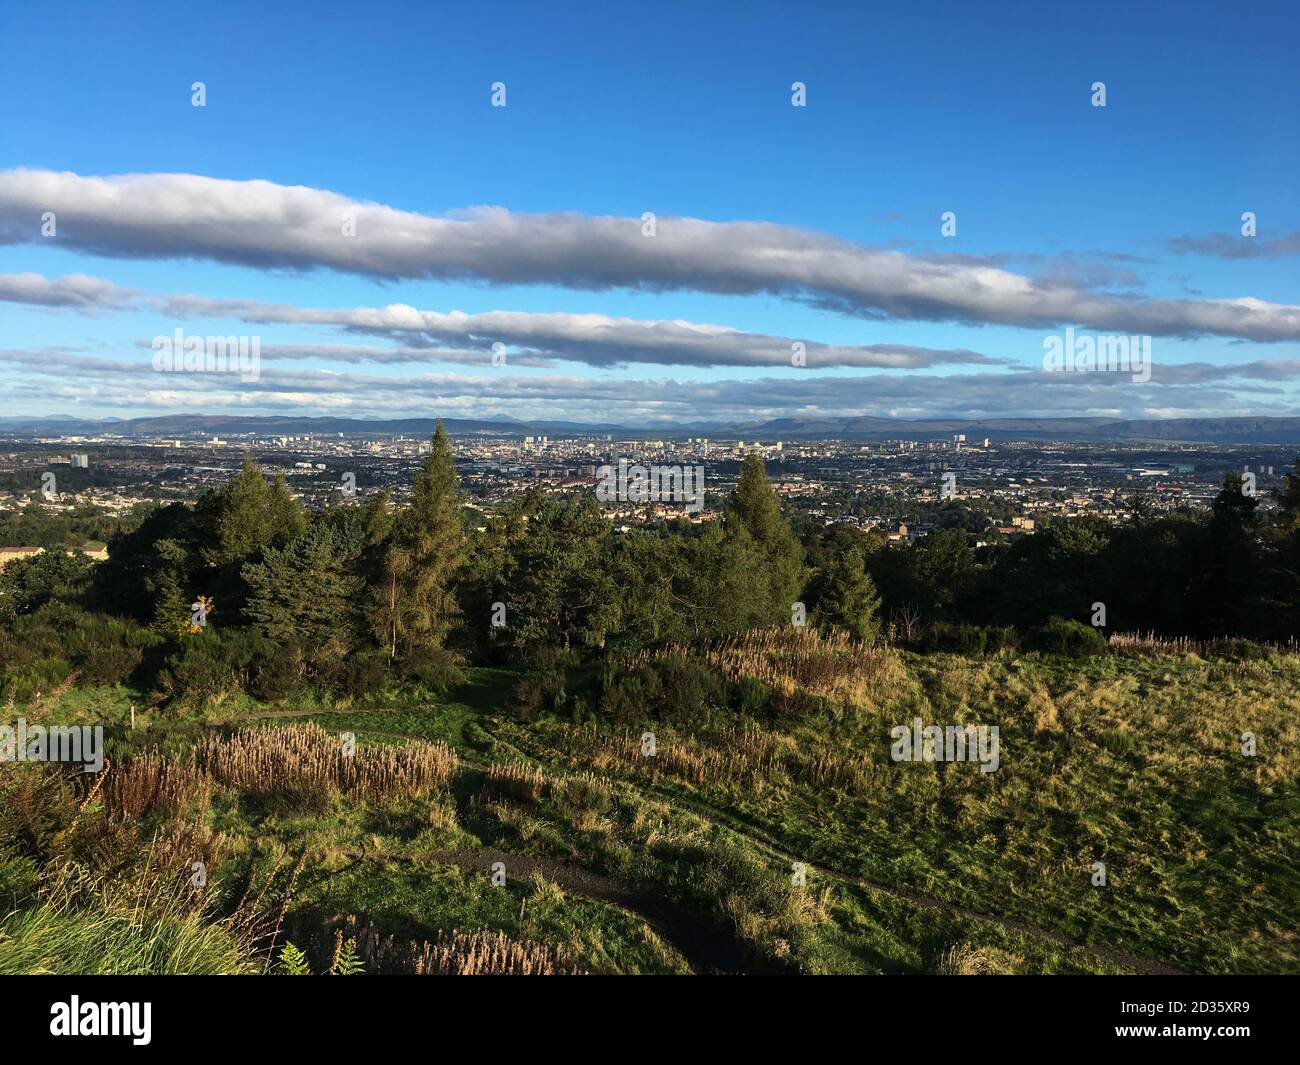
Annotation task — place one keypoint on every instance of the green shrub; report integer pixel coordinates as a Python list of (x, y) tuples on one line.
[(580, 711), (363, 674), (622, 703), (1064, 636), (752, 696), (681, 689), (794, 706), (201, 671), (19, 879), (1002, 638), (959, 639), (42, 675), (1117, 741), (276, 674), (1238, 650), (111, 664), (434, 668), (539, 692)]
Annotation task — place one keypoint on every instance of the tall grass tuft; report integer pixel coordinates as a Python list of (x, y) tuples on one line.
[(481, 953), (835, 665), (1150, 643), (113, 941), (151, 782), (149, 920), (306, 761), (515, 780)]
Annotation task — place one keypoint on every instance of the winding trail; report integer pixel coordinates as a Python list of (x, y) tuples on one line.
[(675, 925), (705, 948)]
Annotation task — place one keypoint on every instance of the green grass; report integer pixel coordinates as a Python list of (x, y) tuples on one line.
[(418, 902), (1131, 761), (1198, 840), (49, 939)]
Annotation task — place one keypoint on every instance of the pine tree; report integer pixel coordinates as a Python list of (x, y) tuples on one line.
[(286, 519), (171, 616), (414, 603), (754, 503), (242, 516), (306, 591), (722, 590), (1288, 498), (378, 519), (1229, 585), (1285, 542), (848, 596), (1233, 513), (555, 585), (755, 508)]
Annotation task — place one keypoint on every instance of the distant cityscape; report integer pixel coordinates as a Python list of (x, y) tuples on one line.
[(995, 489)]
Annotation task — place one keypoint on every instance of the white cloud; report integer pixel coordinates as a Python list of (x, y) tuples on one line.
[(130, 384), (72, 290), (262, 224), (533, 339)]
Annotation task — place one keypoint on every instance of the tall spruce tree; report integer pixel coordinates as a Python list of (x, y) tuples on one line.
[(414, 607), (165, 585), (1285, 545), (286, 518), (307, 591), (556, 587), (847, 596), (755, 508), (1229, 588), (250, 514), (1288, 499), (240, 512)]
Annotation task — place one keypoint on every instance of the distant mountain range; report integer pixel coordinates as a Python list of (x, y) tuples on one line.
[(1188, 430)]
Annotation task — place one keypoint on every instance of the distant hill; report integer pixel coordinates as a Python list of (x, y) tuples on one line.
[(1190, 430), (1239, 430)]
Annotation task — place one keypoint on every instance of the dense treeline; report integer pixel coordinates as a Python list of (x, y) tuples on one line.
[(39, 525), (1228, 573), (245, 590)]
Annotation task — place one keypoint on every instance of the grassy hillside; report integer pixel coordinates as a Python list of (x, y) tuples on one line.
[(771, 754)]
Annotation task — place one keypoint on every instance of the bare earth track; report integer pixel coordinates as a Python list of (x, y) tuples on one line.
[(706, 948)]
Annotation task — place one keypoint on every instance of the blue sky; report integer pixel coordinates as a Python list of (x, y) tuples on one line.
[(683, 110)]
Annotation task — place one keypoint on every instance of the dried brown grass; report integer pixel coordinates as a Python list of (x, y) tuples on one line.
[(1152, 644), (152, 782), (515, 780), (835, 666), (481, 953), (743, 755), (306, 760)]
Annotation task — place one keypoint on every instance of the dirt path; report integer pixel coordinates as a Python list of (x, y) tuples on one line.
[(1135, 963), (705, 948)]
